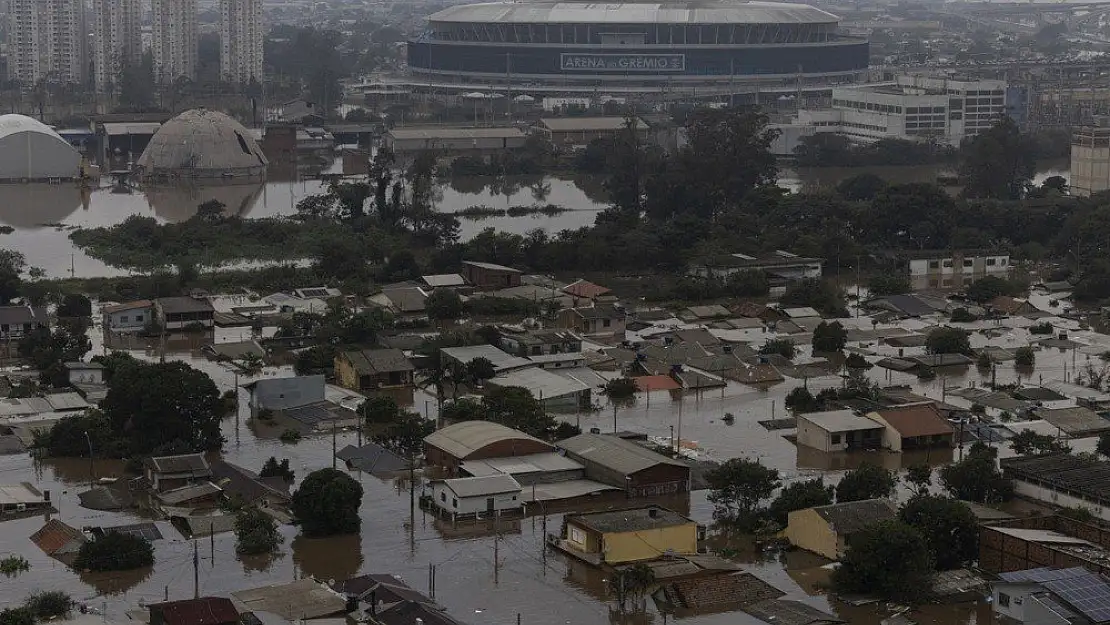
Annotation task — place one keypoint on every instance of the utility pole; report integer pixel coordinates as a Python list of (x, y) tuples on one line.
[(196, 571), (236, 408), (496, 548), (333, 442)]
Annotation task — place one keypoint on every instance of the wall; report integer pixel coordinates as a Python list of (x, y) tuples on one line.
[(650, 543), (816, 438), (1000, 553), (446, 499), (129, 320), (1017, 597), (1037, 492), (807, 530), (582, 538), (500, 449), (662, 479), (345, 373)]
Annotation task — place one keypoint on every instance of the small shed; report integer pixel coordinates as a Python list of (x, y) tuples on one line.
[(477, 496)]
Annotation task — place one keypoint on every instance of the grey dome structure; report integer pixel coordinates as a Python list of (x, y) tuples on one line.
[(30, 150), (202, 144)]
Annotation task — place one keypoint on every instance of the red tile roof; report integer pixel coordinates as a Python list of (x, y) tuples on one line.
[(586, 289), (913, 420), (646, 383), (203, 611), (55, 535)]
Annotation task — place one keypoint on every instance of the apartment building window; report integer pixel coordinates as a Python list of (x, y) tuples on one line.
[(934, 264), (968, 262), (991, 262), (948, 264)]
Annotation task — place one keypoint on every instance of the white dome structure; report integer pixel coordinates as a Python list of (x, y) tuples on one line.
[(30, 150), (202, 144)]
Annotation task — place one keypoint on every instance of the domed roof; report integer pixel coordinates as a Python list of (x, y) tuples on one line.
[(11, 124), (203, 143), (635, 12)]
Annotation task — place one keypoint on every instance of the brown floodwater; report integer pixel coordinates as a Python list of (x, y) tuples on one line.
[(481, 579)]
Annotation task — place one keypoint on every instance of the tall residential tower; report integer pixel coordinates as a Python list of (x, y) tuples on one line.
[(241, 40), (117, 39), (174, 40), (47, 41)]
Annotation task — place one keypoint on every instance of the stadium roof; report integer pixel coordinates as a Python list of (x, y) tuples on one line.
[(689, 12)]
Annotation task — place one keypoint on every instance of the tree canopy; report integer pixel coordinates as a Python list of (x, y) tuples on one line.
[(114, 551), (950, 529), (977, 478), (799, 496), (737, 487), (327, 502), (868, 481), (889, 559), (998, 163), (256, 532), (948, 341)]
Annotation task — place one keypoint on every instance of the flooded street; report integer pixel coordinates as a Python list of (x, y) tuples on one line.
[(42, 215), (544, 588)]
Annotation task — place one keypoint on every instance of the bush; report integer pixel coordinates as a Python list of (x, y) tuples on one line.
[(888, 284), (291, 436), (1041, 328), (782, 346), (17, 616), (948, 341), (14, 565), (855, 361), (49, 604), (255, 532), (1024, 357), (963, 315), (114, 552)]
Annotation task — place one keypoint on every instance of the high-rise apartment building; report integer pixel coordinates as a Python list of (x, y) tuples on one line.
[(241, 40), (174, 40), (47, 41), (117, 39)]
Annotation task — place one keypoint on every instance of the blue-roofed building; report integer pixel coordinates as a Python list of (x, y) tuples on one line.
[(1047, 596)]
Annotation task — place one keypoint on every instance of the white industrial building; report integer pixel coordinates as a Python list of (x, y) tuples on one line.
[(241, 35), (1090, 159), (31, 151), (117, 40), (46, 41), (174, 39), (489, 495), (914, 108)]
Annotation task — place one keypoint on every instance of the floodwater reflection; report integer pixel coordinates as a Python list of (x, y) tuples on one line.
[(30, 206), (179, 202), (116, 582), (337, 557)]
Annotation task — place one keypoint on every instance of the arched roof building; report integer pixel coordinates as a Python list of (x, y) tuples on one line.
[(30, 150)]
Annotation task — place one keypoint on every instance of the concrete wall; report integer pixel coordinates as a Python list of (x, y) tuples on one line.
[(448, 501), (807, 530), (1052, 497), (650, 543)]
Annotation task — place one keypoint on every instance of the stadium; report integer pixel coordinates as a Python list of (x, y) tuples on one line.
[(715, 45)]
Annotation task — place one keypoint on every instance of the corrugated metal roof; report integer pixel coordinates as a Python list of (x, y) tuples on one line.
[(500, 360), (202, 140), (542, 383), (691, 12), (447, 133), (615, 453), (302, 599), (483, 486), (573, 124), (840, 421), (462, 439)]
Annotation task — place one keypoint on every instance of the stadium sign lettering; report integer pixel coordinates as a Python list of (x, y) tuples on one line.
[(623, 62)]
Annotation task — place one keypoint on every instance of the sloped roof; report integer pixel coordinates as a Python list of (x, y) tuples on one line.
[(202, 611), (462, 439), (370, 361), (706, 593), (483, 486), (852, 516), (58, 539), (302, 599), (181, 463), (585, 288), (622, 456), (790, 612), (202, 140), (913, 420)]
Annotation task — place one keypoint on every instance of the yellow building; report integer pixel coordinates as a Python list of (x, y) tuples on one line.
[(633, 535), (824, 530)]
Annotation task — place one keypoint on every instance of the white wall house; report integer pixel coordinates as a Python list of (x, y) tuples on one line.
[(948, 270), (130, 317), (477, 496)]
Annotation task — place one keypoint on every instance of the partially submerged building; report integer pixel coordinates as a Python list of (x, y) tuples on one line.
[(449, 447), (627, 465), (631, 535), (825, 530), (200, 144)]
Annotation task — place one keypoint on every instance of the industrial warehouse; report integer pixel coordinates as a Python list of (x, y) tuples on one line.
[(635, 47)]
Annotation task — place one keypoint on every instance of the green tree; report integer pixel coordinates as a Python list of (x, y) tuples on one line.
[(1024, 357), (815, 293), (272, 468), (327, 502), (48, 350), (987, 288), (480, 369), (159, 404), (868, 481), (799, 496), (256, 532), (889, 559), (863, 188), (950, 529), (888, 284), (631, 583), (75, 305), (962, 315), (999, 163), (829, 337), (516, 407), (800, 401), (114, 551), (17, 616), (444, 304), (136, 85), (1028, 442), (1103, 445), (49, 604), (782, 346), (380, 409), (919, 477), (977, 478), (463, 409), (737, 487), (948, 341), (622, 388)]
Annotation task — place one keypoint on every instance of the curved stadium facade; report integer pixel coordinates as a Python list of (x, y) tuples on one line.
[(635, 46)]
